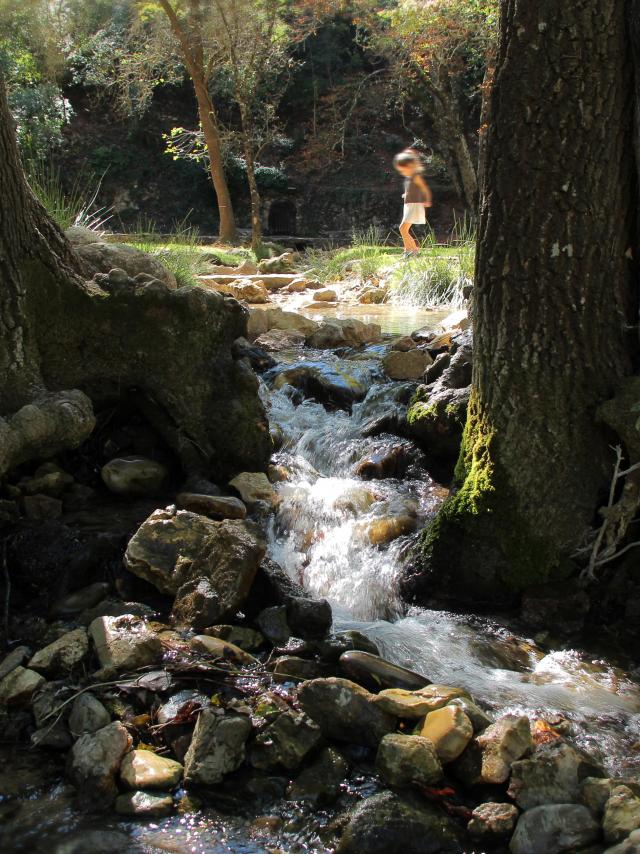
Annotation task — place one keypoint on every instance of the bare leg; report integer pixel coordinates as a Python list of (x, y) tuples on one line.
[(407, 238)]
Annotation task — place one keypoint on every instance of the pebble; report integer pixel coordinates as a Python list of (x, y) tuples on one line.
[(19, 686), (87, 715), (63, 655), (133, 475), (406, 759), (449, 730), (145, 804), (143, 769), (221, 649)]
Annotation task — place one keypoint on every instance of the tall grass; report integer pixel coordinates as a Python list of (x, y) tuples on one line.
[(67, 207), (182, 254)]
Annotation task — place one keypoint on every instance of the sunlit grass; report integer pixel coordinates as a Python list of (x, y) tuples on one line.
[(67, 207)]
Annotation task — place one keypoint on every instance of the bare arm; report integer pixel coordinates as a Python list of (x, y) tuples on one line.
[(426, 189)]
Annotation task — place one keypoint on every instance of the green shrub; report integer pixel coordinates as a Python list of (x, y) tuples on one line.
[(75, 206)]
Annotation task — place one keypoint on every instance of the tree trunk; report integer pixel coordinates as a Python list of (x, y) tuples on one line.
[(552, 302), (206, 112), (256, 201)]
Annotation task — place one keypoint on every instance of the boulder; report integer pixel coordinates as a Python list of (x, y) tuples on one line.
[(286, 742), (263, 320), (41, 508), (143, 769), (372, 296), (595, 792), (319, 784), (338, 384), (18, 687), (63, 655), (144, 804), (391, 460), (345, 711), (94, 762), (125, 643), (254, 487), (405, 759), (621, 814), (325, 295), (257, 356), (551, 776), (283, 263), (564, 604), (288, 668), (386, 529), (377, 673), (406, 365), (309, 618), (478, 717), (133, 475), (343, 332), (217, 747), (251, 291), (213, 506), (273, 624), (196, 605), (493, 823), (103, 257), (87, 715), (392, 823), (280, 339), (171, 548), (502, 743), (554, 828), (221, 649), (449, 730)]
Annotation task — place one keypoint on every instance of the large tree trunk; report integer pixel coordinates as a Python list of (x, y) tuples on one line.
[(65, 342), (552, 301), (256, 201)]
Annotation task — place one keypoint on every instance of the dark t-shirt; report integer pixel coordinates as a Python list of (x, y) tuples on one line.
[(413, 193)]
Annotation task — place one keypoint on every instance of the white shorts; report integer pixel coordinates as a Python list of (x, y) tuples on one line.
[(414, 213)]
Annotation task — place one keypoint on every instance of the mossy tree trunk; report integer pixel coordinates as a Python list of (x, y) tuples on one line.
[(553, 301)]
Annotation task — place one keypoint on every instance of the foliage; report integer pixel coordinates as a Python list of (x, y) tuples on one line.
[(67, 207), (181, 254)]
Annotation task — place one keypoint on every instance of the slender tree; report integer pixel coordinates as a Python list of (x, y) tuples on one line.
[(554, 317)]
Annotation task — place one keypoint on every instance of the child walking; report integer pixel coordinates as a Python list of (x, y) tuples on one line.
[(417, 196)]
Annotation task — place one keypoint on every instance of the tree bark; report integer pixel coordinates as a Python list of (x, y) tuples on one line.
[(552, 304), (256, 201)]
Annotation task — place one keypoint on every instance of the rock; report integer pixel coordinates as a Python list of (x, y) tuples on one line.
[(144, 804), (297, 286), (505, 741), (78, 601), (273, 624), (309, 618), (242, 636), (347, 332), (376, 673), (280, 339), (379, 532), (436, 418), (46, 481), (16, 658), (18, 687), (104, 257), (621, 814), (287, 668), (345, 711), (449, 730), (142, 769), (213, 506), (286, 742), (320, 783), (493, 823), (125, 643), (253, 292), (196, 604), (478, 717), (631, 845), (264, 320), (551, 776), (564, 604), (554, 828), (87, 715), (41, 508), (97, 842), (406, 759), (254, 487), (595, 792), (408, 365), (404, 344), (338, 384), (403, 704), (170, 549), (63, 655), (372, 296), (389, 461), (216, 749), (258, 357), (391, 823), (221, 649), (94, 762), (133, 476), (280, 264), (325, 295)]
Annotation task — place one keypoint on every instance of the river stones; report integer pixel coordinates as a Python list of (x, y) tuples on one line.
[(78, 601), (345, 711), (125, 643), (381, 531), (403, 704), (449, 730), (274, 625), (280, 339), (196, 605), (19, 686), (17, 657), (143, 769), (554, 828), (408, 365), (287, 668), (343, 332), (325, 295), (389, 461), (87, 715), (94, 762), (213, 506), (254, 487), (242, 636), (217, 747), (144, 804), (441, 695), (406, 759), (376, 673), (621, 814), (63, 655), (133, 476), (502, 743), (171, 548), (631, 845), (493, 823), (221, 649), (595, 792), (336, 384), (285, 742), (320, 783), (309, 618), (392, 823), (478, 717), (551, 776)]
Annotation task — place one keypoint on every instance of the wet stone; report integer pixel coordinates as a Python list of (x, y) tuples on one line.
[(551, 776), (125, 643), (309, 618), (133, 475), (285, 742), (16, 658), (97, 842), (449, 730), (376, 673), (621, 814), (492, 823), (18, 687), (41, 508), (254, 487), (403, 704), (273, 624), (441, 695), (217, 748), (554, 828), (289, 668), (595, 792), (505, 741), (144, 804), (196, 605), (94, 762), (242, 636), (63, 655), (406, 759), (143, 769), (631, 845), (478, 717), (320, 783), (221, 649), (78, 601), (213, 506), (87, 715)]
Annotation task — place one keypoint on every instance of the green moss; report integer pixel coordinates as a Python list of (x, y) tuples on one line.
[(420, 411)]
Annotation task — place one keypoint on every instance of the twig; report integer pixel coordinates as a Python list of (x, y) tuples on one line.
[(618, 554), (7, 593), (589, 571)]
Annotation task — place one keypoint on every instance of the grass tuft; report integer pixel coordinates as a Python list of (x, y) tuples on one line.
[(182, 254), (75, 206)]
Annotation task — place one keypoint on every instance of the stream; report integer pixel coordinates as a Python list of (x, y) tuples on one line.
[(330, 533)]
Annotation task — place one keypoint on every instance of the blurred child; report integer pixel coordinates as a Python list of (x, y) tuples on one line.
[(417, 197)]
